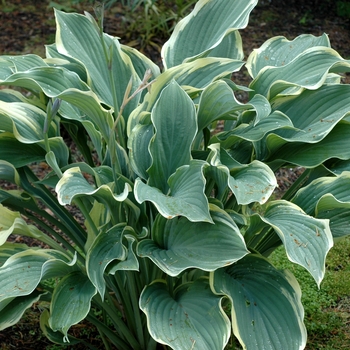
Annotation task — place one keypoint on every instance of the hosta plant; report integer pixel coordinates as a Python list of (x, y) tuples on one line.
[(169, 170)]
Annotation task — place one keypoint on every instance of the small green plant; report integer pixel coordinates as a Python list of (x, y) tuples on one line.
[(170, 235), (147, 23)]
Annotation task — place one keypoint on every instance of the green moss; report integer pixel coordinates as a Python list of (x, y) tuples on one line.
[(327, 310)]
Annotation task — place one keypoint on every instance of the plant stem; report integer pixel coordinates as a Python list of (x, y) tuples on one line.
[(134, 296), (108, 332), (72, 229), (120, 325)]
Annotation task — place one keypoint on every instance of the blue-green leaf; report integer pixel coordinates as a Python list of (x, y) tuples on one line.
[(107, 246), (174, 120), (71, 302), (266, 308), (179, 244), (73, 184), (11, 311), (191, 319), (200, 31), (186, 196), (307, 240), (279, 51), (22, 272)]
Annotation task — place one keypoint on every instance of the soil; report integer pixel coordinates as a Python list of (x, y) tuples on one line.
[(26, 26)]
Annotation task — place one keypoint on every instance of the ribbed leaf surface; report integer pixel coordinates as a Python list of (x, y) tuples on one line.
[(179, 244), (191, 319), (266, 308)]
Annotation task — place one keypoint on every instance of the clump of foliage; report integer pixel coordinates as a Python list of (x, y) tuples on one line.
[(171, 237)]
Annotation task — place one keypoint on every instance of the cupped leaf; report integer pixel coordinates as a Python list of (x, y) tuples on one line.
[(186, 196), (334, 145), (138, 144), (22, 272), (306, 239), (107, 246), (197, 75), (109, 68), (73, 185), (230, 46), (309, 196), (71, 302), (279, 51), (328, 198), (88, 103), (314, 115), (11, 311), (25, 121), (12, 223), (200, 32), (218, 102), (338, 214), (50, 80), (190, 319), (250, 183), (302, 72), (179, 244), (8, 172), (174, 120), (254, 182), (55, 337), (266, 309)]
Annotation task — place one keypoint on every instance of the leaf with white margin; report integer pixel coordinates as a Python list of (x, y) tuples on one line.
[(73, 184), (71, 302), (22, 63), (12, 223), (313, 113), (191, 318), (186, 197), (306, 239), (254, 182), (107, 246), (197, 75), (308, 197), (301, 72), (200, 32), (50, 80), (9, 173), (88, 102), (138, 143), (22, 272), (175, 123), (328, 198), (25, 121), (8, 249), (179, 244), (337, 212), (78, 37), (266, 308), (230, 46), (55, 337), (11, 311), (219, 102), (278, 51), (334, 145)]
